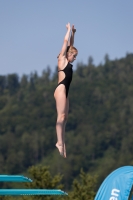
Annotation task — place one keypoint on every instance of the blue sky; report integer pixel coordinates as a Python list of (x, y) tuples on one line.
[(32, 32)]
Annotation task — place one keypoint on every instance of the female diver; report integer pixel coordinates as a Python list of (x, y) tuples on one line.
[(66, 57)]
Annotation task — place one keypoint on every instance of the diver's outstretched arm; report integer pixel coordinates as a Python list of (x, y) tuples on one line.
[(66, 39)]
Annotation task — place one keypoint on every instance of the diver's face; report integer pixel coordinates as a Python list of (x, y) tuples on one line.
[(72, 56)]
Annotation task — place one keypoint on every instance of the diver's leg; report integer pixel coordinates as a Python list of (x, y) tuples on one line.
[(64, 127), (61, 103)]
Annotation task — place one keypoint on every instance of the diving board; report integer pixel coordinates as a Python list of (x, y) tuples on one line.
[(14, 178), (31, 192)]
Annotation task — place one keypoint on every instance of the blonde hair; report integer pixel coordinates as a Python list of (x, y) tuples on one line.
[(70, 49)]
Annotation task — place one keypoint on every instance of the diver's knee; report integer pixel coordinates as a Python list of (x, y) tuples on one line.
[(62, 118)]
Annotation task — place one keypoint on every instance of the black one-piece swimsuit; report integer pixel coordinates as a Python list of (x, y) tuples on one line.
[(68, 77)]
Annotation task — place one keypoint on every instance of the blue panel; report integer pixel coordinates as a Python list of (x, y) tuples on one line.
[(117, 185), (14, 178), (31, 192)]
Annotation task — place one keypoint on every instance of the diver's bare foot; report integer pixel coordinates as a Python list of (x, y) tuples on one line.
[(61, 149), (64, 150)]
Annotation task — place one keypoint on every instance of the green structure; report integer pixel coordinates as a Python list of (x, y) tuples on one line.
[(18, 178)]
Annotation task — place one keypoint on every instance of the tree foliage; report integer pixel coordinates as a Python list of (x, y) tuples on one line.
[(84, 188), (99, 129), (42, 179)]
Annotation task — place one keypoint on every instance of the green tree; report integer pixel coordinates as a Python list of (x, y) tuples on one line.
[(84, 188), (12, 83), (2, 83), (24, 81), (43, 179)]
